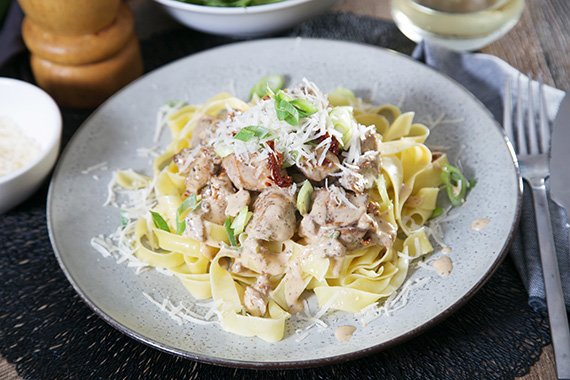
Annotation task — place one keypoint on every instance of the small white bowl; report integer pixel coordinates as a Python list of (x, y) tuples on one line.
[(37, 115), (245, 21)]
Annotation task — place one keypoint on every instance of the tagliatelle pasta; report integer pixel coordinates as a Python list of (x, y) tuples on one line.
[(257, 205)]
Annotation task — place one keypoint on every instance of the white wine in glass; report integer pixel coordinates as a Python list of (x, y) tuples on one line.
[(456, 24)]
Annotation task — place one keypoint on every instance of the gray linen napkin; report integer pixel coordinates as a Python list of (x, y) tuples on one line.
[(485, 77), (10, 35)]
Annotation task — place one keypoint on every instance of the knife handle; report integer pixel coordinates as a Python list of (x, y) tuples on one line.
[(554, 297)]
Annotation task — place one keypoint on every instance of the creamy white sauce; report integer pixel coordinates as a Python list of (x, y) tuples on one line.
[(442, 266), (16, 149), (344, 333), (446, 250), (480, 224)]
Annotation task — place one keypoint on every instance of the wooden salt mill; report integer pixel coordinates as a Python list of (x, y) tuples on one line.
[(82, 51)]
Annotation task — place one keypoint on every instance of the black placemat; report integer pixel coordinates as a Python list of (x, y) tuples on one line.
[(48, 332)]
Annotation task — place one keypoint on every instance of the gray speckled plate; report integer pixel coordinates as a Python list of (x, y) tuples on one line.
[(126, 122)]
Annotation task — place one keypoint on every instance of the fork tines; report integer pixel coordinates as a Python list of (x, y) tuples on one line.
[(528, 138)]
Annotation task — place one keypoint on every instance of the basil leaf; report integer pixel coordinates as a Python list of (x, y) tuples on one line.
[(159, 221), (252, 131), (230, 232)]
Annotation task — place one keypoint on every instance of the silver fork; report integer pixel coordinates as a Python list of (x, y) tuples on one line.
[(532, 145)]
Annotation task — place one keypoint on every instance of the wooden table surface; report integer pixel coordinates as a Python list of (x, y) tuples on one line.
[(539, 45)]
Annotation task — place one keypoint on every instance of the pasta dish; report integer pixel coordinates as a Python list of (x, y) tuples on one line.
[(258, 205)]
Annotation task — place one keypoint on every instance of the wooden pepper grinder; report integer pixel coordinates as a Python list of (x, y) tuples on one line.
[(82, 51)]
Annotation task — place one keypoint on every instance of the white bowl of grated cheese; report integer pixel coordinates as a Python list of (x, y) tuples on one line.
[(251, 21), (30, 134)]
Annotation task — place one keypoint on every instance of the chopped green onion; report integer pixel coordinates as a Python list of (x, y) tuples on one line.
[(159, 221), (124, 219), (438, 211), (334, 235), (190, 204), (285, 110), (230, 232), (455, 183), (252, 131), (344, 122), (291, 110), (241, 220), (176, 103), (267, 84), (341, 97), (304, 198), (304, 107), (222, 150)]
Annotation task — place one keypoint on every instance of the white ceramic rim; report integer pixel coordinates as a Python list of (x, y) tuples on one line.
[(205, 9), (53, 121)]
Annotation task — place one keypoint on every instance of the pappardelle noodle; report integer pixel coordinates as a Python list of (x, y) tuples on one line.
[(259, 204)]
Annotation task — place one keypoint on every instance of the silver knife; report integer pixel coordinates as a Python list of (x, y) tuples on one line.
[(560, 193)]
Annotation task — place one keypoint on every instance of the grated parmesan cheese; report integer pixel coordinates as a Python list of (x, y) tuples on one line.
[(180, 313), (396, 301), (295, 142), (100, 165), (16, 149)]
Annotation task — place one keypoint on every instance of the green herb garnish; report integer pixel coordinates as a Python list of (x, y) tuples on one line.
[(190, 204), (252, 131), (285, 110), (304, 107), (267, 85), (230, 232), (456, 185), (304, 198), (292, 110), (124, 219), (159, 221), (438, 211), (241, 220)]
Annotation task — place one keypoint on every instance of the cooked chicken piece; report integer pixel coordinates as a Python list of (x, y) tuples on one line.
[(215, 198), (371, 142), (255, 296), (361, 176), (316, 172), (294, 287), (204, 131), (346, 217), (253, 176), (198, 165), (329, 246), (335, 207), (273, 216), (237, 201), (379, 230), (195, 228), (255, 256)]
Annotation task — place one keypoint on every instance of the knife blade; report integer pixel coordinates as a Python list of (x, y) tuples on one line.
[(560, 156)]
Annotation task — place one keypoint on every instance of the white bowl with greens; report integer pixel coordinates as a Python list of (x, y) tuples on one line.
[(243, 18)]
